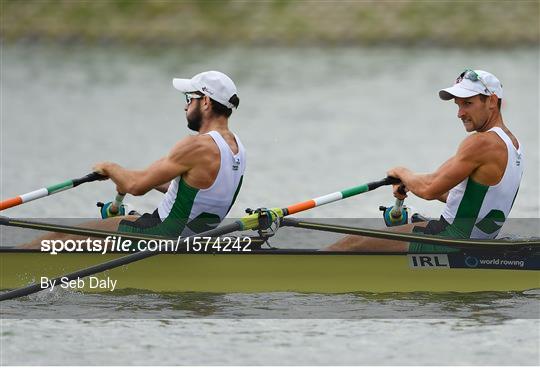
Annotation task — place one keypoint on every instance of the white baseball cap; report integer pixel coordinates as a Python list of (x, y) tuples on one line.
[(215, 85), (471, 83)]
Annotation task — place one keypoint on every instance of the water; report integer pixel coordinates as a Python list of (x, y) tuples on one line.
[(314, 121), (272, 342)]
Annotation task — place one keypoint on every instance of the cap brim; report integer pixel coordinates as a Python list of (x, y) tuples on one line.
[(183, 85), (456, 91)]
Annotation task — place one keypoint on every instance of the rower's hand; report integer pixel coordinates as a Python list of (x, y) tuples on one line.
[(399, 190), (101, 168)]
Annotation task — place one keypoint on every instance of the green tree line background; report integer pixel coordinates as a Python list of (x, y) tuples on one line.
[(461, 23)]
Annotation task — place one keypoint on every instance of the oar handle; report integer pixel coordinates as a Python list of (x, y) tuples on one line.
[(389, 180), (93, 176)]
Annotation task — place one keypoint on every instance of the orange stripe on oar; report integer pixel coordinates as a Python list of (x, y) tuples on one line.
[(11, 202), (302, 206)]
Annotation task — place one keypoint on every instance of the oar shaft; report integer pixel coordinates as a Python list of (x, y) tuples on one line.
[(412, 237), (34, 225), (337, 196), (47, 191)]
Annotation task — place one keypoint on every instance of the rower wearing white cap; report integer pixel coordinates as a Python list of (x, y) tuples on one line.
[(478, 184), (200, 176)]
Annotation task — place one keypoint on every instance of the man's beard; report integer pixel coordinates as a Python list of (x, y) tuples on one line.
[(194, 120)]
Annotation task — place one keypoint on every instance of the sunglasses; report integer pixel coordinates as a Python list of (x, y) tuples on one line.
[(192, 96), (474, 77)]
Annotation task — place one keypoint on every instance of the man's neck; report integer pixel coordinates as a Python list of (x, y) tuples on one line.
[(219, 124), (493, 121)]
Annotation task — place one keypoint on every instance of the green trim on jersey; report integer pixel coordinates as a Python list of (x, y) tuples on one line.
[(469, 208), (493, 221), (204, 222), (432, 248), (175, 223), (236, 193), (466, 217)]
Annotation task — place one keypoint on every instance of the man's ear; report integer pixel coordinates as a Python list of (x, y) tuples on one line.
[(493, 101), (206, 102)]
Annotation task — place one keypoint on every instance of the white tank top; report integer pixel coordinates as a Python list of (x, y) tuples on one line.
[(479, 211), (190, 210)]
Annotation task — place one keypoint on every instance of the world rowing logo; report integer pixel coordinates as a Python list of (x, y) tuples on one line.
[(471, 262)]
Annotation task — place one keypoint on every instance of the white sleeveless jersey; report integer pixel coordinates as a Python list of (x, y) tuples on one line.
[(187, 210), (479, 211)]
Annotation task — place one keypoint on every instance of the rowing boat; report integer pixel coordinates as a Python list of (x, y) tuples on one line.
[(279, 270), (471, 265)]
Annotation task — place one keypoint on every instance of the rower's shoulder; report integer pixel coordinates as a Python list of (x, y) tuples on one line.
[(484, 139), (479, 143), (193, 146), (195, 141)]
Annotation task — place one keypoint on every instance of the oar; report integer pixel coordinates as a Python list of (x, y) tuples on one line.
[(34, 225), (478, 244), (249, 222), (337, 196), (46, 191), (252, 222)]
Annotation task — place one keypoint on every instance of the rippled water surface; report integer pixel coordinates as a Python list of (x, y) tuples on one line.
[(274, 328), (314, 121)]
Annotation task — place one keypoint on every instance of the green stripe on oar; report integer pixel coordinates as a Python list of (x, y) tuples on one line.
[(46, 191), (355, 191), (68, 184)]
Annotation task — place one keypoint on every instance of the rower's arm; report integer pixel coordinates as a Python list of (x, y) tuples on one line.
[(138, 182), (437, 184)]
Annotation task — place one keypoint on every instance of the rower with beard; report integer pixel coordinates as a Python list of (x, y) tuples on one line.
[(200, 176)]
